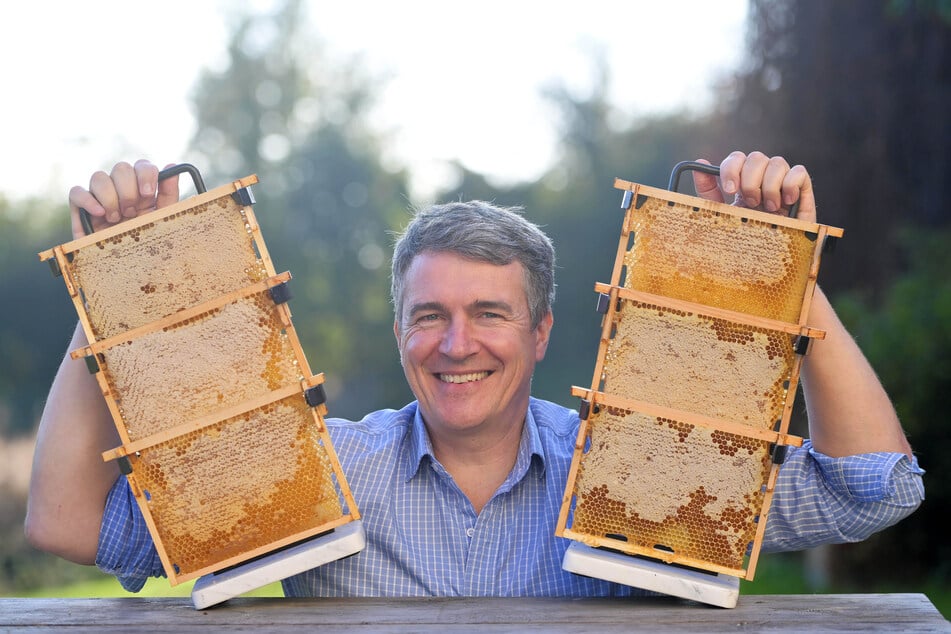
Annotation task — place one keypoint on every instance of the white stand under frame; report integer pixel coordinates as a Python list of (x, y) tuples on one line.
[(219, 587), (687, 583)]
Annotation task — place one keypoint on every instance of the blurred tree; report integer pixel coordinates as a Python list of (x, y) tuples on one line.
[(38, 318), (285, 110), (908, 338), (36, 324), (859, 93)]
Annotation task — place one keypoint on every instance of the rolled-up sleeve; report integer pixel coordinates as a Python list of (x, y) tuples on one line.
[(126, 549), (820, 499)]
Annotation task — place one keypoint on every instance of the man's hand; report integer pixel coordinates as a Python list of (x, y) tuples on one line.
[(757, 181), (126, 192)]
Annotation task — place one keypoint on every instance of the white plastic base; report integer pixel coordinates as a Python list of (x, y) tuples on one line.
[(686, 583), (221, 586)]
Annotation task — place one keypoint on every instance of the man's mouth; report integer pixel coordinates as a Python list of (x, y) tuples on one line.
[(462, 378)]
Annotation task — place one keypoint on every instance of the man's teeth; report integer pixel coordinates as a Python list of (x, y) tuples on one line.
[(463, 378)]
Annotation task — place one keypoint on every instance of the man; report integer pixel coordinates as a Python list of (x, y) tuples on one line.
[(460, 490)]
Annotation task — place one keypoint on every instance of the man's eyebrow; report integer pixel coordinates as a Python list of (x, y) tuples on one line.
[(425, 307), (478, 305), (485, 304)]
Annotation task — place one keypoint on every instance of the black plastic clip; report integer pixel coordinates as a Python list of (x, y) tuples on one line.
[(801, 346), (244, 196), (281, 293), (125, 465), (604, 301), (92, 363), (315, 395), (584, 409), (778, 453), (829, 245)]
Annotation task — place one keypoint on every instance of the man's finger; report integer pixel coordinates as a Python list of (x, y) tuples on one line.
[(706, 185)]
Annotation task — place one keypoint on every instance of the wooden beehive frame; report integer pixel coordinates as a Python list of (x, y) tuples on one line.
[(601, 394), (261, 284)]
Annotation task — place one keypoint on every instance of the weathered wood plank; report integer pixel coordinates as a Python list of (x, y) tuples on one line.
[(767, 613)]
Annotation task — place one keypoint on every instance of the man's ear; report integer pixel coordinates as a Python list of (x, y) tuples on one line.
[(543, 335), (399, 343)]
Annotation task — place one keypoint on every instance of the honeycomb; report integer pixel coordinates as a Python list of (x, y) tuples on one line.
[(692, 388), (195, 361), (700, 364), (718, 259), (224, 356), (238, 485), (152, 271), (671, 486)]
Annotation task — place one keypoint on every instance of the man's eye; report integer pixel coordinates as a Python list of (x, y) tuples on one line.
[(429, 317)]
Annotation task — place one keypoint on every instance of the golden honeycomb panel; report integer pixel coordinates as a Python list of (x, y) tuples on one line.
[(670, 486), (147, 273), (222, 357), (700, 364), (718, 259), (238, 485)]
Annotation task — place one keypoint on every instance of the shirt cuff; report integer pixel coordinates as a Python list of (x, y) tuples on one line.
[(125, 547), (867, 477)]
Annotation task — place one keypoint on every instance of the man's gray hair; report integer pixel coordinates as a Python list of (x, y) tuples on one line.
[(482, 232)]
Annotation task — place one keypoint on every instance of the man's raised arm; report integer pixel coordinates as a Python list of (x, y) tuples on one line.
[(69, 481)]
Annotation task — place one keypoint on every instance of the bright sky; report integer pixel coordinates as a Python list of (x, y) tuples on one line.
[(89, 83)]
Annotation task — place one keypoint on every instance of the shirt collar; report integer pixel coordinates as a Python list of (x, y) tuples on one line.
[(419, 447)]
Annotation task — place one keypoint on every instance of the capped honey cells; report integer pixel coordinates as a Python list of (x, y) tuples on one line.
[(190, 369), (655, 483), (136, 277), (698, 255), (655, 348), (238, 485)]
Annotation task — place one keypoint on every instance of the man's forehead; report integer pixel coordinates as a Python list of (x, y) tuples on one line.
[(432, 276)]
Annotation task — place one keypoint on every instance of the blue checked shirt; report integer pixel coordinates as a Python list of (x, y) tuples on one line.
[(425, 539)]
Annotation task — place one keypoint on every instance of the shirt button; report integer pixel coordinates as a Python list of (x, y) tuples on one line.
[(470, 532)]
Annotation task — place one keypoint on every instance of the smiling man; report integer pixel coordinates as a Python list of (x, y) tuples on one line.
[(460, 490), (468, 342)]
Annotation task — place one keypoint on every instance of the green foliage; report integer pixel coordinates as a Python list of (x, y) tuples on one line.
[(831, 85), (787, 573), (858, 92), (326, 204), (37, 318), (907, 338)]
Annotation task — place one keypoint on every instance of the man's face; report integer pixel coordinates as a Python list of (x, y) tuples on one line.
[(466, 343)]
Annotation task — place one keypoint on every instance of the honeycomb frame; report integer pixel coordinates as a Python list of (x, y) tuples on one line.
[(192, 344), (685, 424)]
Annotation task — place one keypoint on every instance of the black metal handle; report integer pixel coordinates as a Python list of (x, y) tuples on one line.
[(86, 220), (685, 166)]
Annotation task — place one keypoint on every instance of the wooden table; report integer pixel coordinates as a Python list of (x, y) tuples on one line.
[(764, 613)]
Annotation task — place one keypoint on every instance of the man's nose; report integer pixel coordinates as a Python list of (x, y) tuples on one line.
[(458, 340)]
